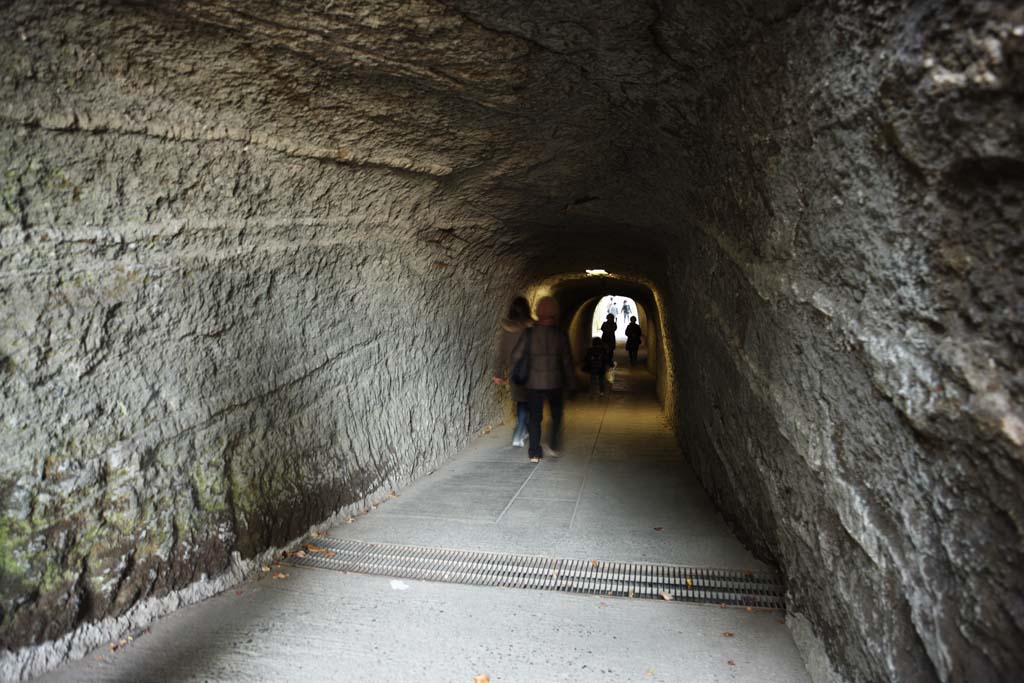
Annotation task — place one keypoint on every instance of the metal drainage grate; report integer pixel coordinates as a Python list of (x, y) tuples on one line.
[(685, 584)]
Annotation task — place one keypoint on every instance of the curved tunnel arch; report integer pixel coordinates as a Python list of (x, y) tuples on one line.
[(578, 295)]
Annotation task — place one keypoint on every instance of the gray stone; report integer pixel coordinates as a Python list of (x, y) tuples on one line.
[(252, 259)]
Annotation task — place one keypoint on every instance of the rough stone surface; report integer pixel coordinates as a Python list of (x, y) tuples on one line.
[(251, 260)]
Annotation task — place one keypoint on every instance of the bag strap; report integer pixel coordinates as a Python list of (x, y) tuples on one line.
[(528, 339)]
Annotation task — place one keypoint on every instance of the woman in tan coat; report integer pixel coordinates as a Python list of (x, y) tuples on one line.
[(512, 328)]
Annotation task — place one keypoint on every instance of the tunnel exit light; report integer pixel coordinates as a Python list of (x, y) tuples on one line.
[(596, 271)]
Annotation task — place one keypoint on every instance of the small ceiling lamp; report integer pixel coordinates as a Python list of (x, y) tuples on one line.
[(596, 271)]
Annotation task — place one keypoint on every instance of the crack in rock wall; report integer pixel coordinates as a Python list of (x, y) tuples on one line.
[(252, 260)]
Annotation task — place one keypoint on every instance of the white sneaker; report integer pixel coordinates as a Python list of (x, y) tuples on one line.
[(518, 443)]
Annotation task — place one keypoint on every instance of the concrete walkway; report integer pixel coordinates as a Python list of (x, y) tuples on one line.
[(621, 492)]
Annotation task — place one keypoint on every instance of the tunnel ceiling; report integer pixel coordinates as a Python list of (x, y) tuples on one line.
[(555, 118)]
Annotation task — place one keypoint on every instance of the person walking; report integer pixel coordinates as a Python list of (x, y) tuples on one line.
[(633, 337), (551, 374), (613, 309), (595, 363), (627, 310), (513, 327), (608, 329)]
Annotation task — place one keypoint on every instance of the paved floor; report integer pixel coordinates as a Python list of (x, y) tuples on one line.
[(620, 492)]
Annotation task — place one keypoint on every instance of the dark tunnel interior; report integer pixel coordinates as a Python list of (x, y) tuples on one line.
[(253, 254)]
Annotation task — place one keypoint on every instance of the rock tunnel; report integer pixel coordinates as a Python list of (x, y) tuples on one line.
[(252, 258)]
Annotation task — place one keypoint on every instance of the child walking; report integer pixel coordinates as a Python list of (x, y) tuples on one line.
[(596, 364)]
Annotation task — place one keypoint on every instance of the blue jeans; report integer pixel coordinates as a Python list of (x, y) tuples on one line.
[(522, 420)]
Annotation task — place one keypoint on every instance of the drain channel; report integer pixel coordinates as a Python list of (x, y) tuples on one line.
[(683, 584)]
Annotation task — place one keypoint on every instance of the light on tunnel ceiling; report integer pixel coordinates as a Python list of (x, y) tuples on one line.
[(596, 271)]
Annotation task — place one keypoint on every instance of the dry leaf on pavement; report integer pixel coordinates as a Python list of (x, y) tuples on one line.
[(330, 554), (481, 678), (314, 548), (595, 563), (280, 575), (665, 595), (728, 634), (731, 663)]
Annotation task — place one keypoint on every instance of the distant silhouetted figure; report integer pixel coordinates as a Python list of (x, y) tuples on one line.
[(551, 374), (627, 311), (613, 309), (595, 363), (633, 337), (512, 328), (608, 336)]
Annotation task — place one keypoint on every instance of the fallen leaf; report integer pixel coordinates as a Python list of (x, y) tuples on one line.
[(689, 583), (665, 595), (299, 553), (376, 505), (595, 563), (314, 548), (728, 634), (723, 605), (392, 495), (284, 553), (349, 520), (659, 528), (280, 575), (631, 593), (750, 609), (481, 678), (731, 663), (330, 554), (649, 672), (264, 568)]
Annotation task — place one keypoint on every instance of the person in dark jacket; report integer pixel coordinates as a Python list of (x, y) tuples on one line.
[(551, 375), (608, 328), (633, 336), (512, 328), (595, 363)]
